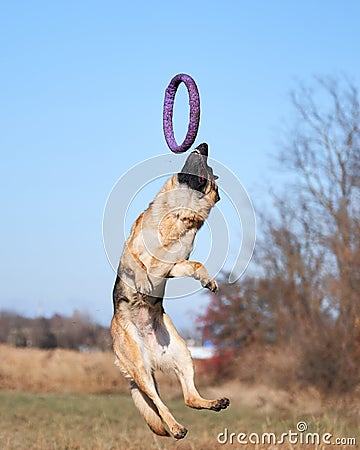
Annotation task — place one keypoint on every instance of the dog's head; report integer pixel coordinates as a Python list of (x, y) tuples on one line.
[(197, 175)]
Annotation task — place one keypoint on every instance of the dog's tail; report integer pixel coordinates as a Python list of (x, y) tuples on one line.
[(148, 410)]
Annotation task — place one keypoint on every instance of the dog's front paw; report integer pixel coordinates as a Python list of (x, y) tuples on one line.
[(210, 284), (143, 284)]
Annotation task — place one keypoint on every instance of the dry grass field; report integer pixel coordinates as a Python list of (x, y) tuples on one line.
[(68, 400), (109, 421), (34, 370)]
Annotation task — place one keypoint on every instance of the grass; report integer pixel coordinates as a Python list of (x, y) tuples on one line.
[(88, 421), (61, 399)]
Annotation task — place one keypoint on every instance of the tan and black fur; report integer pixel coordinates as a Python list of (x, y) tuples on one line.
[(144, 337)]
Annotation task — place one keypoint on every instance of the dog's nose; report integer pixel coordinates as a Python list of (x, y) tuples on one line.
[(202, 149)]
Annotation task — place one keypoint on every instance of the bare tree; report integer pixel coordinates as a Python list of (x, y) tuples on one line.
[(311, 249), (238, 315), (307, 291), (325, 154)]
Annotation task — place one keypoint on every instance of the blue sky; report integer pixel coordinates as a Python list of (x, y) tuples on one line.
[(82, 86)]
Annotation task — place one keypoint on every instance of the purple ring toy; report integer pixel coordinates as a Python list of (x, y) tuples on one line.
[(194, 102)]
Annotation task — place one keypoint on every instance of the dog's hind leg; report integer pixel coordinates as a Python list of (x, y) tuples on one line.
[(143, 403), (184, 369), (134, 363), (148, 410), (146, 385)]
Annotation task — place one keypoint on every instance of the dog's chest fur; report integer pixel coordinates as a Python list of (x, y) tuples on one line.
[(177, 211), (167, 229)]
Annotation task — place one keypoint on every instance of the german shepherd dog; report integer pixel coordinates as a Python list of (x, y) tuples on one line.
[(144, 337)]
